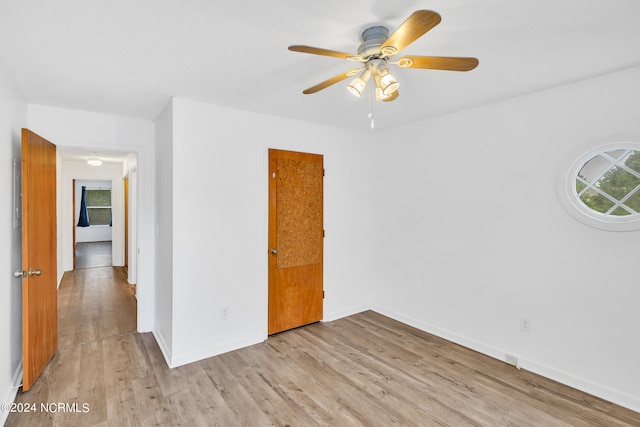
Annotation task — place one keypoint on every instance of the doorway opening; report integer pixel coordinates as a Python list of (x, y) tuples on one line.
[(93, 243), (109, 240)]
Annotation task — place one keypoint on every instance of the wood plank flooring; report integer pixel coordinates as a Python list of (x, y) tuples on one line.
[(93, 304), (363, 370), (93, 254)]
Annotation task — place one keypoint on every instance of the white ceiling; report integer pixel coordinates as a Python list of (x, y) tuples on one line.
[(82, 155), (128, 57)]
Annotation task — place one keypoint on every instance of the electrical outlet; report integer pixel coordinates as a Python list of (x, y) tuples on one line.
[(225, 313), (511, 359), (525, 325)]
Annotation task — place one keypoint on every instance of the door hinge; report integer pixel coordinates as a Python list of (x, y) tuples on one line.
[(322, 171), (322, 294), (323, 233)]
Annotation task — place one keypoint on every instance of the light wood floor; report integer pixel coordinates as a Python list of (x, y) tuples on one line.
[(93, 254), (364, 370)]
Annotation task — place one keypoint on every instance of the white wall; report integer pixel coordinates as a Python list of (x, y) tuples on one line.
[(13, 117), (163, 327), (476, 237), (97, 233), (220, 246), (71, 128)]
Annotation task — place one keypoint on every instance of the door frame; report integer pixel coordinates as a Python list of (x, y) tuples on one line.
[(144, 288), (125, 182), (294, 274), (73, 218)]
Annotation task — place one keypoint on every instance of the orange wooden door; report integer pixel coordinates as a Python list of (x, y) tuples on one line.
[(39, 256), (295, 239)]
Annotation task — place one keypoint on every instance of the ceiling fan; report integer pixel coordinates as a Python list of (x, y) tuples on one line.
[(378, 49)]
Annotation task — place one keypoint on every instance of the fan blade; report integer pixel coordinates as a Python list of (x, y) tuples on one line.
[(333, 80), (438, 63), (415, 26), (326, 52)]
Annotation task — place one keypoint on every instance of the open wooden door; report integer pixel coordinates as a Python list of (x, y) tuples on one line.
[(39, 256), (295, 239)]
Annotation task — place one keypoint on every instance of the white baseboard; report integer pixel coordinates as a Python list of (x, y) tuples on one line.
[(11, 392), (16, 381), (215, 350), (582, 384), (330, 317), (173, 360), (166, 351)]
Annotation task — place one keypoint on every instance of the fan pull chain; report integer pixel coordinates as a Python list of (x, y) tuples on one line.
[(370, 116)]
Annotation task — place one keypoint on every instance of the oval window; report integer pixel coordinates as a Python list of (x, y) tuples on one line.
[(602, 186)]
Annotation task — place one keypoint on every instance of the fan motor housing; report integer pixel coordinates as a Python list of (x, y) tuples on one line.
[(372, 39)]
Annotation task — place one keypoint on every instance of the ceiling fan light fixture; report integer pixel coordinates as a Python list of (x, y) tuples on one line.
[(380, 96), (357, 86), (386, 98), (385, 80), (389, 84)]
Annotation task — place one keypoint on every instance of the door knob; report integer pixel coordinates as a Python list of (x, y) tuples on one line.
[(20, 273), (33, 272), (274, 251)]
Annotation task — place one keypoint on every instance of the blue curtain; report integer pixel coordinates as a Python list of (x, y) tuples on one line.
[(83, 221)]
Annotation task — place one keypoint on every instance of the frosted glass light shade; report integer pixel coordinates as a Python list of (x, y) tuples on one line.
[(357, 86)]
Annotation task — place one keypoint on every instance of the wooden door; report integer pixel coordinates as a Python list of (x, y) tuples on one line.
[(295, 239), (39, 260)]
